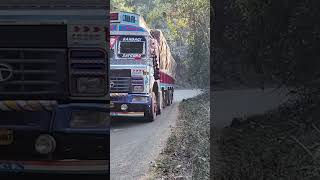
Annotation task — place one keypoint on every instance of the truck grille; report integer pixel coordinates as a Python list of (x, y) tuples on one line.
[(137, 81), (120, 80), (34, 73), (90, 63), (120, 84)]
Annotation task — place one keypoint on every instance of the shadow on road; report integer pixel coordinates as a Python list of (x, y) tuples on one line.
[(127, 122)]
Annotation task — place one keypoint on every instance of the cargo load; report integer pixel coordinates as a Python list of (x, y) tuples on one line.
[(167, 62)]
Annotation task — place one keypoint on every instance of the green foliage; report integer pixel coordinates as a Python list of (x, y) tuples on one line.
[(185, 25), (121, 5), (278, 39)]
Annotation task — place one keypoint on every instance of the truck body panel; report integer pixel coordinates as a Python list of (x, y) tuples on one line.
[(134, 62), (167, 63), (57, 53)]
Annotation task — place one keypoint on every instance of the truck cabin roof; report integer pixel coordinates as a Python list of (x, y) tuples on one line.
[(127, 23), (53, 4)]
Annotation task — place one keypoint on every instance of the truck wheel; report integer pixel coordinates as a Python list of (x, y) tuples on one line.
[(159, 103), (171, 96), (168, 98), (152, 113), (163, 101)]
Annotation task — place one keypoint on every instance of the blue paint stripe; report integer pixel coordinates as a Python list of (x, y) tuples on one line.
[(55, 172), (69, 17)]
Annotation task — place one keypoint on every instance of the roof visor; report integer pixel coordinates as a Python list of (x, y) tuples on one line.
[(125, 18), (54, 3)]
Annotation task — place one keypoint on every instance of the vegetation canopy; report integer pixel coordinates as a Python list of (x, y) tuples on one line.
[(185, 25)]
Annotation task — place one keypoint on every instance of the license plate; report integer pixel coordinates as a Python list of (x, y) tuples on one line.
[(11, 167), (6, 136)]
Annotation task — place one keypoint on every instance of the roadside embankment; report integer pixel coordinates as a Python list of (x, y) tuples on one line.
[(280, 144), (186, 155)]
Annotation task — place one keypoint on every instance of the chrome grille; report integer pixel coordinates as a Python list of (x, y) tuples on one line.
[(34, 72), (120, 84), (90, 63), (137, 81)]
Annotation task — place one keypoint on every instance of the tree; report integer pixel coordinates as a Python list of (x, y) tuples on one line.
[(186, 26), (279, 40)]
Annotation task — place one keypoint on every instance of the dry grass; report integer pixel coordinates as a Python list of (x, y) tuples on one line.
[(186, 155)]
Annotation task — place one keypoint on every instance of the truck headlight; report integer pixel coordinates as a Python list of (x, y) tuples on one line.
[(45, 144), (138, 89), (140, 99), (124, 107), (90, 85), (89, 119)]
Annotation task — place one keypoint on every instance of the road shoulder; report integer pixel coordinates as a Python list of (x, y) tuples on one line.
[(186, 155)]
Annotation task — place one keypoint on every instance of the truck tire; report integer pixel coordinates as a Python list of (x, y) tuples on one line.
[(171, 96), (159, 103), (172, 91), (163, 101), (152, 113), (168, 97)]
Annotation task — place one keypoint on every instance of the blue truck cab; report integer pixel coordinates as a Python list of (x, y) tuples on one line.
[(134, 86), (54, 92), (141, 68)]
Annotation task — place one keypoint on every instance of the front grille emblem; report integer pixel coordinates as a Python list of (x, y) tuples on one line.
[(6, 72), (111, 84)]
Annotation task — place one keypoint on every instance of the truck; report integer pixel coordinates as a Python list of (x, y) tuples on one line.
[(54, 91), (167, 67), (141, 68)]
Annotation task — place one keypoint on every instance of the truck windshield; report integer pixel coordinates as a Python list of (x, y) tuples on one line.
[(131, 46)]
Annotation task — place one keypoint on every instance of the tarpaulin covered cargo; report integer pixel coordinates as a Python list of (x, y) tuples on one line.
[(167, 62)]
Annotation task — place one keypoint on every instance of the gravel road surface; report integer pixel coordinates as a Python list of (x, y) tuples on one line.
[(135, 145)]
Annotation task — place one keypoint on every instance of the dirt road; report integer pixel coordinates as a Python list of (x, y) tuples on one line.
[(236, 103), (135, 145)]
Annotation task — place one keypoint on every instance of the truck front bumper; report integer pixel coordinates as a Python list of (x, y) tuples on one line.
[(135, 109), (127, 114), (71, 155), (56, 167)]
